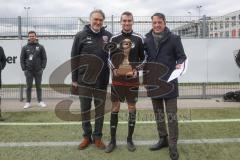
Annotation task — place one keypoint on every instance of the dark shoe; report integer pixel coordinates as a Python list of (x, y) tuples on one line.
[(131, 146), (99, 144), (163, 142), (173, 152), (85, 143), (111, 146)]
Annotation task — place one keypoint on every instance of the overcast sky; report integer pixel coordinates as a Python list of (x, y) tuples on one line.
[(76, 8)]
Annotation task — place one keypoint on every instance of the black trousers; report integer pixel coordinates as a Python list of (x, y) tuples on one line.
[(171, 112), (86, 96), (0, 102), (30, 75), (0, 93)]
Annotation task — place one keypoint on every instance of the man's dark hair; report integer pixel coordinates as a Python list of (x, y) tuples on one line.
[(98, 11), (30, 32), (127, 13), (160, 15)]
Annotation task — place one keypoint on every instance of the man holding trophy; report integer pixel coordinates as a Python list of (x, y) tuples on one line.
[(125, 62)]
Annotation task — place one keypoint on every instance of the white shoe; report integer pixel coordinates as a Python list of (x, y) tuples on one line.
[(42, 104), (27, 105)]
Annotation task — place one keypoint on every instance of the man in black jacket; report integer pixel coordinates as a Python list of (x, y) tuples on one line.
[(2, 65), (88, 48), (33, 61), (125, 85), (165, 48)]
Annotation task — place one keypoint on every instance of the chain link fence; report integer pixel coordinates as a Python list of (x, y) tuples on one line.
[(186, 90), (67, 27)]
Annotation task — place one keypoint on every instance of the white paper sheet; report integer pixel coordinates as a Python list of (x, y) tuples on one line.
[(179, 72)]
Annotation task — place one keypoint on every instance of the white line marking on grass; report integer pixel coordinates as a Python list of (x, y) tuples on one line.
[(139, 143), (121, 122), (210, 141)]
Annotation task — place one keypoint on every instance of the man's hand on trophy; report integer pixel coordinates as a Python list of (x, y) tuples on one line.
[(135, 73), (178, 66), (114, 71)]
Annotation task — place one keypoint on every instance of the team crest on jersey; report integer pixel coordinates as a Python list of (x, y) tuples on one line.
[(89, 40), (105, 39)]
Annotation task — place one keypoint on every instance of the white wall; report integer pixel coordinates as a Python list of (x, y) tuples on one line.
[(210, 60)]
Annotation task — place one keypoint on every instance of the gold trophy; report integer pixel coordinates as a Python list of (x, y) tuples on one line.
[(125, 69)]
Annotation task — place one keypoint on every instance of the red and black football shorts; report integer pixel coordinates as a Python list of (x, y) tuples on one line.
[(124, 93)]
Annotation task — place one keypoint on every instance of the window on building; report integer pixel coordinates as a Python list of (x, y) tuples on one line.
[(211, 26), (215, 26), (227, 34), (221, 25), (226, 22), (238, 32), (234, 33), (234, 21), (216, 35), (221, 34)]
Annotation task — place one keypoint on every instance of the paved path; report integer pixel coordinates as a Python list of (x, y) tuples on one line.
[(12, 105)]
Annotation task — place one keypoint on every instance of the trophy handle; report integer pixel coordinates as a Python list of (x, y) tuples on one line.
[(110, 47)]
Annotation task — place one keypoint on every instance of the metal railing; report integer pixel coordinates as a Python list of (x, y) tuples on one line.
[(67, 27), (186, 90)]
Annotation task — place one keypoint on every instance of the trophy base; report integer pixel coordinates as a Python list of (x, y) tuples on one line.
[(125, 71)]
